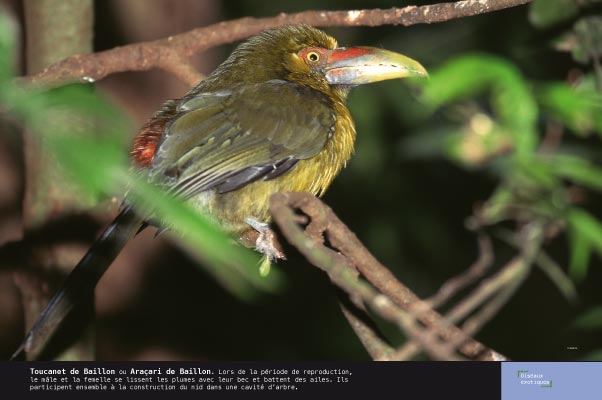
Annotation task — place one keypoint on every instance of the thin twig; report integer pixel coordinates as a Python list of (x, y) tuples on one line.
[(473, 324), (472, 274), (167, 53), (548, 266)]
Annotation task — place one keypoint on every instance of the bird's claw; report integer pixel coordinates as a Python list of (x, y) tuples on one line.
[(266, 244)]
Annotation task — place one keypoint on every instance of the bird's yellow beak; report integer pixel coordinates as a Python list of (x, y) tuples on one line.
[(359, 65)]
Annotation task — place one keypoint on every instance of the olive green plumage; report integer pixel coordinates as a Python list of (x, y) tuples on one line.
[(262, 122)]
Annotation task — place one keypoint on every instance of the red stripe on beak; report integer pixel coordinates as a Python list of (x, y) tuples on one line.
[(343, 53)]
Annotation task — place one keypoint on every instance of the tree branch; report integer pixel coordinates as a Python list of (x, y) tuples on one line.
[(169, 53), (382, 292)]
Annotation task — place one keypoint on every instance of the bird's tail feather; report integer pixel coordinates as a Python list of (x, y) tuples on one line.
[(81, 281)]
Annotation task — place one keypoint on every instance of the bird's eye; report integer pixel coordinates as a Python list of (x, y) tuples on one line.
[(313, 56)]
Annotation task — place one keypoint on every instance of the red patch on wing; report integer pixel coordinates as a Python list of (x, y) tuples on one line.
[(347, 53), (145, 144), (147, 140)]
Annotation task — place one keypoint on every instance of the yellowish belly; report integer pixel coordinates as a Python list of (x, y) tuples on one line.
[(252, 201)]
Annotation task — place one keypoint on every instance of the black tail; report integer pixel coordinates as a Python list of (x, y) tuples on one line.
[(81, 282)]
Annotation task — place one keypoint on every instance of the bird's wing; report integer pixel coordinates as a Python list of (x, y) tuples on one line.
[(226, 139)]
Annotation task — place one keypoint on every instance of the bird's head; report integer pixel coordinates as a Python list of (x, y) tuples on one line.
[(309, 57)]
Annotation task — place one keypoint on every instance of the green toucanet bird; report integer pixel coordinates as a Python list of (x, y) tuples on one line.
[(270, 118)]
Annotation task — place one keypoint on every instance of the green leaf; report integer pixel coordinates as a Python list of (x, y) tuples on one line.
[(585, 235), (531, 173), (591, 320), (67, 125), (91, 162), (581, 251), (588, 225), (580, 110), (545, 13), (589, 35), (496, 207), (578, 170), (462, 77), (511, 98), (556, 274)]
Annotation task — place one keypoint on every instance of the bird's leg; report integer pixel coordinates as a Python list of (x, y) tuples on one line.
[(266, 241), (266, 244)]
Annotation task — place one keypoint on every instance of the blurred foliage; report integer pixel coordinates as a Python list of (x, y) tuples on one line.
[(99, 165), (590, 320), (542, 15), (534, 182), (584, 40), (576, 107), (585, 237)]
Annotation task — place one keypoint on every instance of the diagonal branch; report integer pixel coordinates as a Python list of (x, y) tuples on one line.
[(169, 53), (381, 291)]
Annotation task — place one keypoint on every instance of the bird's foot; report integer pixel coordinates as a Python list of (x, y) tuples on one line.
[(266, 244)]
